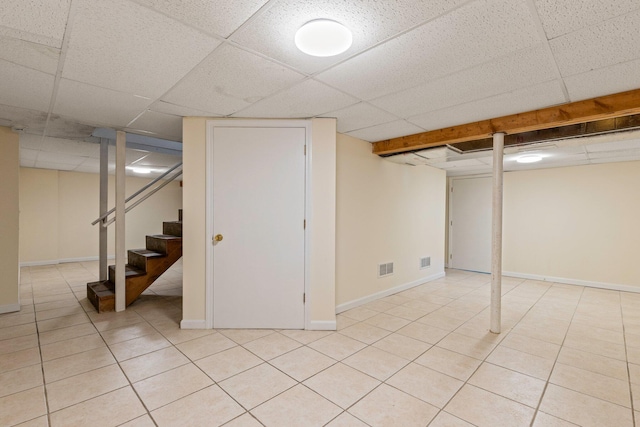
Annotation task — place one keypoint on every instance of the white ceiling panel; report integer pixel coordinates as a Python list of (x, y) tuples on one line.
[(360, 116), (126, 47), (159, 160), (176, 110), (632, 153), (614, 159), (28, 154), (231, 79), (26, 163), (369, 21), (531, 98), (562, 17), (515, 71), (161, 125), (386, 131), (66, 146), (221, 17), (632, 144), (598, 46), (44, 164), (97, 105), (60, 158), (613, 79), (30, 55), (131, 156), (38, 21), (25, 87), (480, 31), (307, 99)]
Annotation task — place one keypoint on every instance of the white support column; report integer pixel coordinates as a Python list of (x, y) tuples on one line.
[(103, 206), (496, 234), (120, 220)]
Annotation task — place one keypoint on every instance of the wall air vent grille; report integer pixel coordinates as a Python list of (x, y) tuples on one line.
[(425, 262), (385, 269)]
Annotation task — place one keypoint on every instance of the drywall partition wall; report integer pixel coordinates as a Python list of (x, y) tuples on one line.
[(57, 208), (9, 235), (321, 301), (575, 225), (386, 212)]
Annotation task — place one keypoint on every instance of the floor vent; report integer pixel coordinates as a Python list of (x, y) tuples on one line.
[(425, 262), (385, 269)]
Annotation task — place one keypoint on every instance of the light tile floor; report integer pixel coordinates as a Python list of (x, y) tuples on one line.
[(567, 356)]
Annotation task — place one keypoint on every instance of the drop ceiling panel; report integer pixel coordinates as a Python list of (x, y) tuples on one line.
[(632, 144), (26, 163), (176, 110), (159, 125), (44, 164), (93, 104), (598, 46), (59, 158), (616, 78), (562, 17), (231, 79), (614, 159), (514, 71), (307, 99), (25, 88), (131, 156), (28, 154), (126, 47), (66, 146), (360, 116), (272, 32), (631, 154), (30, 55), (466, 37), (386, 131), (221, 17), (159, 160), (531, 98), (38, 21)]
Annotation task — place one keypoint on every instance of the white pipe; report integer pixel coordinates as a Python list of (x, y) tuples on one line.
[(496, 233), (121, 301), (104, 195)]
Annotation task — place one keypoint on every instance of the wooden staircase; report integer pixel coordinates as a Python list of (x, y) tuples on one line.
[(143, 268)]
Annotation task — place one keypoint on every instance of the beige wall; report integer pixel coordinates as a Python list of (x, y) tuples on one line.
[(578, 223), (386, 212), (57, 208), (9, 223)]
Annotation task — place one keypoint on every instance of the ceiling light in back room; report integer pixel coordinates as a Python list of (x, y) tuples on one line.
[(529, 158), (323, 37)]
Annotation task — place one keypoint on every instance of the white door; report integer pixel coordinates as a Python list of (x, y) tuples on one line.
[(258, 210), (470, 224)]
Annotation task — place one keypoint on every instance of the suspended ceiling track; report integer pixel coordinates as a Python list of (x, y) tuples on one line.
[(609, 113)]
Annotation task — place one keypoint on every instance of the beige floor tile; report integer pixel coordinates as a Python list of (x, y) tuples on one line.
[(271, 346), (343, 322), (592, 384), (445, 419), (386, 407), (346, 420), (302, 363), (448, 362), (365, 333), (138, 346), (257, 385), (17, 331), (633, 355), (359, 313), (228, 363), (580, 331), (522, 362), (63, 334), (110, 409), (387, 322), (376, 363), (337, 346), (16, 319), (407, 313), (150, 364), (125, 333), (583, 410), (36, 422), (205, 346), (177, 335), (546, 420), (396, 299), (599, 347), (71, 346), (20, 380), (143, 421), (423, 305), (507, 383), (12, 345), (297, 406), (472, 347), (208, 407), (423, 332), (402, 346), (245, 420), (305, 337), (531, 346), (426, 384), (62, 322), (243, 336), (483, 408), (593, 363), (68, 366), (70, 310), (79, 388), (172, 385), (634, 373), (635, 391), (379, 305), (19, 359), (342, 384), (23, 406), (55, 305), (112, 320)]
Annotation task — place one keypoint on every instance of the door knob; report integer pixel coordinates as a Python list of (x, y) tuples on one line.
[(218, 238)]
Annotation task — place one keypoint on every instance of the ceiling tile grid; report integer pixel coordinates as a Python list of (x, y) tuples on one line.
[(25, 87), (164, 126), (359, 116), (31, 55), (38, 21), (386, 131), (603, 81)]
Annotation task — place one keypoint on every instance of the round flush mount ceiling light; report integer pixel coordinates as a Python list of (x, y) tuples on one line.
[(529, 158), (141, 170), (323, 37)]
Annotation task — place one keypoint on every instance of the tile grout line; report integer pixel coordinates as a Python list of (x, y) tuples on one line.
[(626, 354)]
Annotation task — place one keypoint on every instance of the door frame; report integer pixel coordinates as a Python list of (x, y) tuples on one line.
[(252, 123)]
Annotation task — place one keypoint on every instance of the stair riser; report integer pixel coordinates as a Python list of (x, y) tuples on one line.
[(163, 246), (172, 228)]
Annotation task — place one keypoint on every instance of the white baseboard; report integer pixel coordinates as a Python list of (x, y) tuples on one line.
[(9, 308), (193, 324), (321, 325), (62, 261), (566, 281), (360, 301)]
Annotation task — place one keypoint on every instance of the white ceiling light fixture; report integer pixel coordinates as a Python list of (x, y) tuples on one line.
[(140, 170), (529, 158), (323, 37)]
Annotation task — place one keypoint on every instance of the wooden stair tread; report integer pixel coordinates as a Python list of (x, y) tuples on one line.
[(146, 253), (129, 271), (165, 237)]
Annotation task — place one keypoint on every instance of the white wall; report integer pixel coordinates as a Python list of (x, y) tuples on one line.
[(57, 208), (9, 234), (579, 224), (385, 212)]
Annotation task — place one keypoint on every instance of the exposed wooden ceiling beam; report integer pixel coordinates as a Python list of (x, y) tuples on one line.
[(590, 110)]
